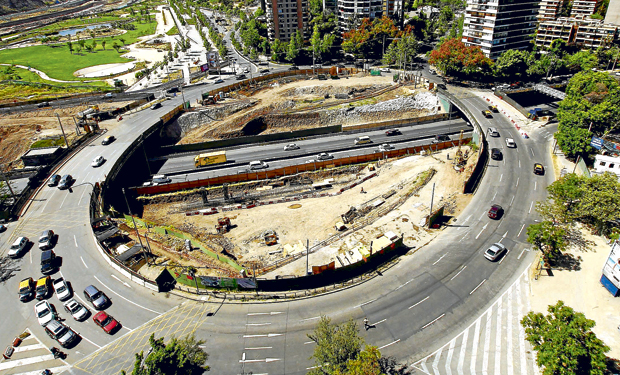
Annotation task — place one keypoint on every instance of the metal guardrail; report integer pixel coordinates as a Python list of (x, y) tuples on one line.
[(550, 91)]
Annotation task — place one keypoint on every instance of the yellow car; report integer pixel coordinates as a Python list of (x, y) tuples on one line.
[(539, 169), (486, 113), (26, 289), (493, 108)]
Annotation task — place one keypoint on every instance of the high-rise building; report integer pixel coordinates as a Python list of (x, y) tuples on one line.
[(285, 17), (583, 8), (584, 32), (392, 6), (549, 10), (613, 12), (500, 25), (349, 10)]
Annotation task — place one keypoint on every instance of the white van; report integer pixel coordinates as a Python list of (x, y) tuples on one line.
[(362, 140), (257, 164)]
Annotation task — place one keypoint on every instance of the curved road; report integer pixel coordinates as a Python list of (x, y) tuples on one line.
[(417, 305)]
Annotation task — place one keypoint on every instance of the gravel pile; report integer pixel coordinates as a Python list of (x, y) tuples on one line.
[(424, 100)]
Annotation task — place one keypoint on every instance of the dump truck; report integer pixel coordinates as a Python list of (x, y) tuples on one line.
[(210, 158)]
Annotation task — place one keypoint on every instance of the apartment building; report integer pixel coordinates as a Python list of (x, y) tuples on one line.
[(500, 25), (549, 10), (360, 9), (285, 17), (390, 7), (585, 32), (583, 8)]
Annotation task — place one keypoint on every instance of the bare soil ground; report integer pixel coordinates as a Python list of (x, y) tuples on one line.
[(313, 219), (19, 130)]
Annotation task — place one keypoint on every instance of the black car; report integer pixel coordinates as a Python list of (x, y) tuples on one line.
[(65, 182), (54, 180), (496, 154), (156, 105), (392, 132), (107, 140), (240, 77), (442, 86), (43, 104), (48, 262), (293, 68)]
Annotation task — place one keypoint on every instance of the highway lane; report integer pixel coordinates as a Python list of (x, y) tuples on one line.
[(309, 148)]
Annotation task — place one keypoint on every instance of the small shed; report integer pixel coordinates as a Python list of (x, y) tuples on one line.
[(41, 156)]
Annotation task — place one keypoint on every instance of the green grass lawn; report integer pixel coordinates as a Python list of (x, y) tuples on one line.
[(173, 31), (58, 62), (48, 143)]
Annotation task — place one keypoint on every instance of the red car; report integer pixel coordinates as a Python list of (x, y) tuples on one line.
[(107, 322), (496, 211)]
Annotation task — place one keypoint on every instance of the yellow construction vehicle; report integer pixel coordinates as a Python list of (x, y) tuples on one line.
[(270, 238)]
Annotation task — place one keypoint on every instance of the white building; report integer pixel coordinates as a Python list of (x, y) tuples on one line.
[(605, 163)]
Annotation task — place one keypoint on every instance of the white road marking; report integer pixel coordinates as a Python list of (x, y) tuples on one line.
[(517, 182), (472, 364), (512, 200), (267, 360), (29, 347), (54, 370), (483, 228), (267, 335), (532, 151), (437, 261), (436, 319), (75, 240), (520, 255), (379, 322), (404, 284), (478, 286), (498, 337), (523, 362), (504, 236), (269, 313), (108, 288), (316, 317), (509, 349), (257, 324), (436, 361), (386, 345), (365, 303), (261, 347), (84, 338), (459, 368), (458, 273), (519, 163), (531, 205), (412, 306), (487, 344), (522, 226), (26, 361), (127, 285), (83, 262), (449, 359), (63, 200), (309, 342), (504, 257), (500, 177), (81, 196)]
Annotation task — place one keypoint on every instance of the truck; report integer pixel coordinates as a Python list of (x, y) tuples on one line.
[(210, 158)]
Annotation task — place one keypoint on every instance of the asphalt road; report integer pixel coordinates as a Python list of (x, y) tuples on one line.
[(415, 307)]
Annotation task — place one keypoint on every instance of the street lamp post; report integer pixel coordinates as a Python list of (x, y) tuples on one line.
[(134, 223), (62, 129)]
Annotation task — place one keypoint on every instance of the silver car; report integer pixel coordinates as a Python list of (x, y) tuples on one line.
[(495, 251)]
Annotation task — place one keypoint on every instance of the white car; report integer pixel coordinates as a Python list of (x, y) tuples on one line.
[(17, 247), (62, 289), (98, 161), (76, 309), (291, 146), (324, 156), (386, 147), (257, 164), (44, 313), (510, 143)]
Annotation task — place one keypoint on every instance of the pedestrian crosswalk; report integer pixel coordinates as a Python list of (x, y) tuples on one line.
[(30, 358), (494, 343)]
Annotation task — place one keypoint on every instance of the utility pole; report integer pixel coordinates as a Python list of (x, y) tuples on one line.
[(134, 222), (62, 129), (432, 197), (307, 255)]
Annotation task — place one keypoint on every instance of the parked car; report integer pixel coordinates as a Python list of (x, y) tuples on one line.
[(510, 143), (54, 180), (43, 288), (61, 333), (63, 292), (539, 169), (496, 154), (46, 239), (48, 262), (106, 322), (392, 132), (18, 247), (98, 161), (441, 138), (26, 289), (65, 182), (257, 164), (96, 297), (493, 132), (240, 77), (291, 146), (44, 313), (107, 140), (496, 211), (324, 156), (494, 251), (76, 309)]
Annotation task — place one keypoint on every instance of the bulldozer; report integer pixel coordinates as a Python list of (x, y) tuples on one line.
[(223, 225), (270, 237)]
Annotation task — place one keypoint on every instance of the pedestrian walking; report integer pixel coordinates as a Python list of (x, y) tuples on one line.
[(366, 326)]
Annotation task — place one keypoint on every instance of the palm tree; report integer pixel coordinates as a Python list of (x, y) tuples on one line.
[(70, 45), (94, 45), (116, 46), (103, 44), (81, 42)]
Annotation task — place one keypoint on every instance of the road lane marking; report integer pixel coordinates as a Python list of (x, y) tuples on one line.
[(498, 337), (458, 273), (386, 345), (436, 361), (63, 200), (472, 364), (265, 313), (379, 322), (257, 324), (512, 200), (437, 261), (412, 306), (449, 359), (520, 255), (459, 368), (531, 205), (127, 285), (309, 342), (316, 317), (267, 360), (260, 348), (519, 163), (81, 196), (83, 261), (487, 344), (522, 226), (476, 288), (500, 177), (84, 338), (534, 185), (108, 288), (436, 319), (504, 236), (517, 182), (504, 257), (266, 335), (75, 240), (365, 303), (509, 348), (532, 151), (404, 284), (483, 228)]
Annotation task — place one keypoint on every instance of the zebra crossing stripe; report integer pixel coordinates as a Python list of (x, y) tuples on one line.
[(509, 358), (459, 369), (26, 361), (487, 343), (436, 361), (498, 337), (54, 370), (523, 362), (449, 360), (472, 364)]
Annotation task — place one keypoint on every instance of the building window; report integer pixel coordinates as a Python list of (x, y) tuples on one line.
[(611, 165)]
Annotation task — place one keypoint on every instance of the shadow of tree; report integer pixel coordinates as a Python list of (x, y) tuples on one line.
[(566, 261)]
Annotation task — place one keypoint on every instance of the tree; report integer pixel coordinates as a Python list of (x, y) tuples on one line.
[(294, 47), (335, 345), (70, 45), (103, 44), (407, 46), (454, 58), (122, 40), (82, 43), (94, 45), (179, 356), (582, 60), (116, 46), (564, 342), (513, 64), (548, 237)]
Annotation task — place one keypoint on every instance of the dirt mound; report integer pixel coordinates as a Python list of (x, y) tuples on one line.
[(321, 90)]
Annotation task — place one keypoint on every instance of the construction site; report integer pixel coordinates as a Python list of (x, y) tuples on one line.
[(336, 213)]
